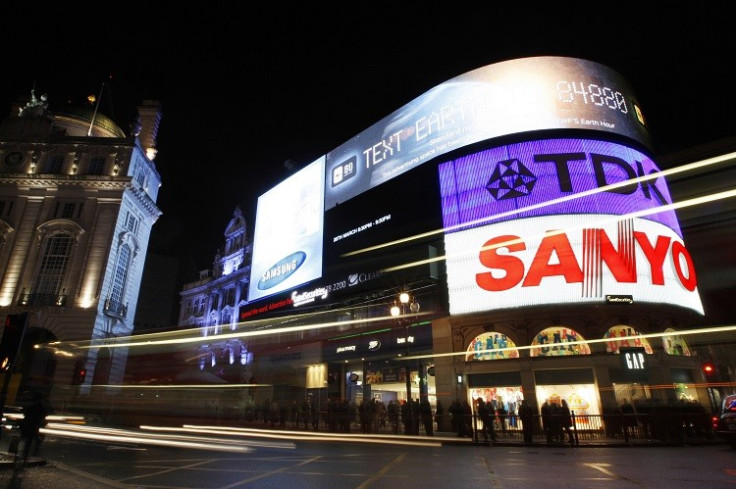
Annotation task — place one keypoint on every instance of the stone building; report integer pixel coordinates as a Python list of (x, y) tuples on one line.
[(77, 203)]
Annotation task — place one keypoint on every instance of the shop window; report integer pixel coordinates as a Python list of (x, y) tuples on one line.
[(559, 341), (675, 344), (623, 336), (491, 346)]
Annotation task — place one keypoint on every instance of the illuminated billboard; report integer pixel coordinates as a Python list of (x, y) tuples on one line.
[(516, 236), (505, 98), (287, 241)]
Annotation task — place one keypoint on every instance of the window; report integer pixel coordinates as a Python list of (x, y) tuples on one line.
[(55, 259), (131, 223), (140, 178), (6, 207), (96, 165), (68, 210), (114, 305), (121, 274), (230, 297), (55, 163)]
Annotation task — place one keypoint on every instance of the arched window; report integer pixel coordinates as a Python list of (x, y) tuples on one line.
[(54, 263), (559, 341), (623, 336), (675, 344), (491, 346)]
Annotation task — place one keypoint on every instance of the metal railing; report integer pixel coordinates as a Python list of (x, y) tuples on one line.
[(667, 426), (55, 300)]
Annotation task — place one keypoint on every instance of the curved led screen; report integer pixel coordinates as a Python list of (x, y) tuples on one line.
[(535, 223), (505, 98)]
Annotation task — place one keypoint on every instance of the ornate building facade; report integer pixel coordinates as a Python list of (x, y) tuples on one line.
[(213, 302), (77, 204)]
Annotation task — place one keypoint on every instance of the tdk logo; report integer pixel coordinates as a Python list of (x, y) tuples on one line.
[(281, 270), (511, 178)]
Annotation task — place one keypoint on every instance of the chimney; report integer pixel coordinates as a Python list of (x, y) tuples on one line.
[(149, 117)]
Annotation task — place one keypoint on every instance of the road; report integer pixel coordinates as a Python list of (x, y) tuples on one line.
[(340, 465)]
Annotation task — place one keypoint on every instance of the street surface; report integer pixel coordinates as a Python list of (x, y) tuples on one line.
[(340, 465)]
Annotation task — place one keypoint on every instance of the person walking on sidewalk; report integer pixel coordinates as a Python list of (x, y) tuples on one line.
[(566, 422), (526, 413), (34, 418), (486, 415)]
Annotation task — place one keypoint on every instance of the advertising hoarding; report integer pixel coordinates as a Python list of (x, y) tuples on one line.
[(287, 249), (581, 259), (516, 96), (535, 223)]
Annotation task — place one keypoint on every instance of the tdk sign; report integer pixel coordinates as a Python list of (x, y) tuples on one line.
[(552, 177), (281, 270)]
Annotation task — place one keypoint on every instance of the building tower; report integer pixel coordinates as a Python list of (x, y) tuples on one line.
[(77, 203)]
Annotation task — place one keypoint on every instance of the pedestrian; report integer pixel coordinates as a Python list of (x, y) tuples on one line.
[(557, 415), (314, 413), (34, 418), (304, 412), (393, 415), (456, 417), (502, 415), (526, 414), (628, 418), (486, 415), (439, 417), (467, 419), (566, 422), (425, 412), (406, 416), (547, 420)]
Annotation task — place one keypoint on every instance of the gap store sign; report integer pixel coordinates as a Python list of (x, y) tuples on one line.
[(561, 221)]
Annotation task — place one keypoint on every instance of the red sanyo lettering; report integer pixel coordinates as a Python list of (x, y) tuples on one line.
[(567, 266)]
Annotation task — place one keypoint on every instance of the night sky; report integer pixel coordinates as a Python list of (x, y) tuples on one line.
[(251, 92)]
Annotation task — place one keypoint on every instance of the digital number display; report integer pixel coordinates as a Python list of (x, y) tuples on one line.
[(581, 93)]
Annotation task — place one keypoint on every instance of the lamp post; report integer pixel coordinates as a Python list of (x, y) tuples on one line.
[(399, 310)]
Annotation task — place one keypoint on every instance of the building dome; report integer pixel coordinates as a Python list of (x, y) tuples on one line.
[(76, 122)]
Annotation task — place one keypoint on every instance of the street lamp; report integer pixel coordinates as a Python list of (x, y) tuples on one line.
[(399, 310)]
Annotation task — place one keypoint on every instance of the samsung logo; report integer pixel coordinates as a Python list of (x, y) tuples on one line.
[(281, 270)]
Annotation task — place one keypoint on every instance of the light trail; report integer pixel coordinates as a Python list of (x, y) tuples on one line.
[(698, 165), (684, 332)]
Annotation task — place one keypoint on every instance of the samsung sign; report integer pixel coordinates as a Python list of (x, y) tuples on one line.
[(287, 242), (543, 222)]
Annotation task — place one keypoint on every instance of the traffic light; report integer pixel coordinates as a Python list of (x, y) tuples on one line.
[(15, 328), (709, 370), (79, 373)]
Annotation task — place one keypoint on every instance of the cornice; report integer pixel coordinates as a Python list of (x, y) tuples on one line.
[(145, 202), (49, 181)]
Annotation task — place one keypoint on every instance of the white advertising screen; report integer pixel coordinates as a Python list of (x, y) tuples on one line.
[(287, 241), (564, 259)]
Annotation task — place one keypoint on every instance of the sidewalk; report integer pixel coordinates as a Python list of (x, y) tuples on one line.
[(55, 475)]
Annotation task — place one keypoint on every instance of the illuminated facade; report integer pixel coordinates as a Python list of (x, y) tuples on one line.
[(213, 305), (522, 208), (77, 203)]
